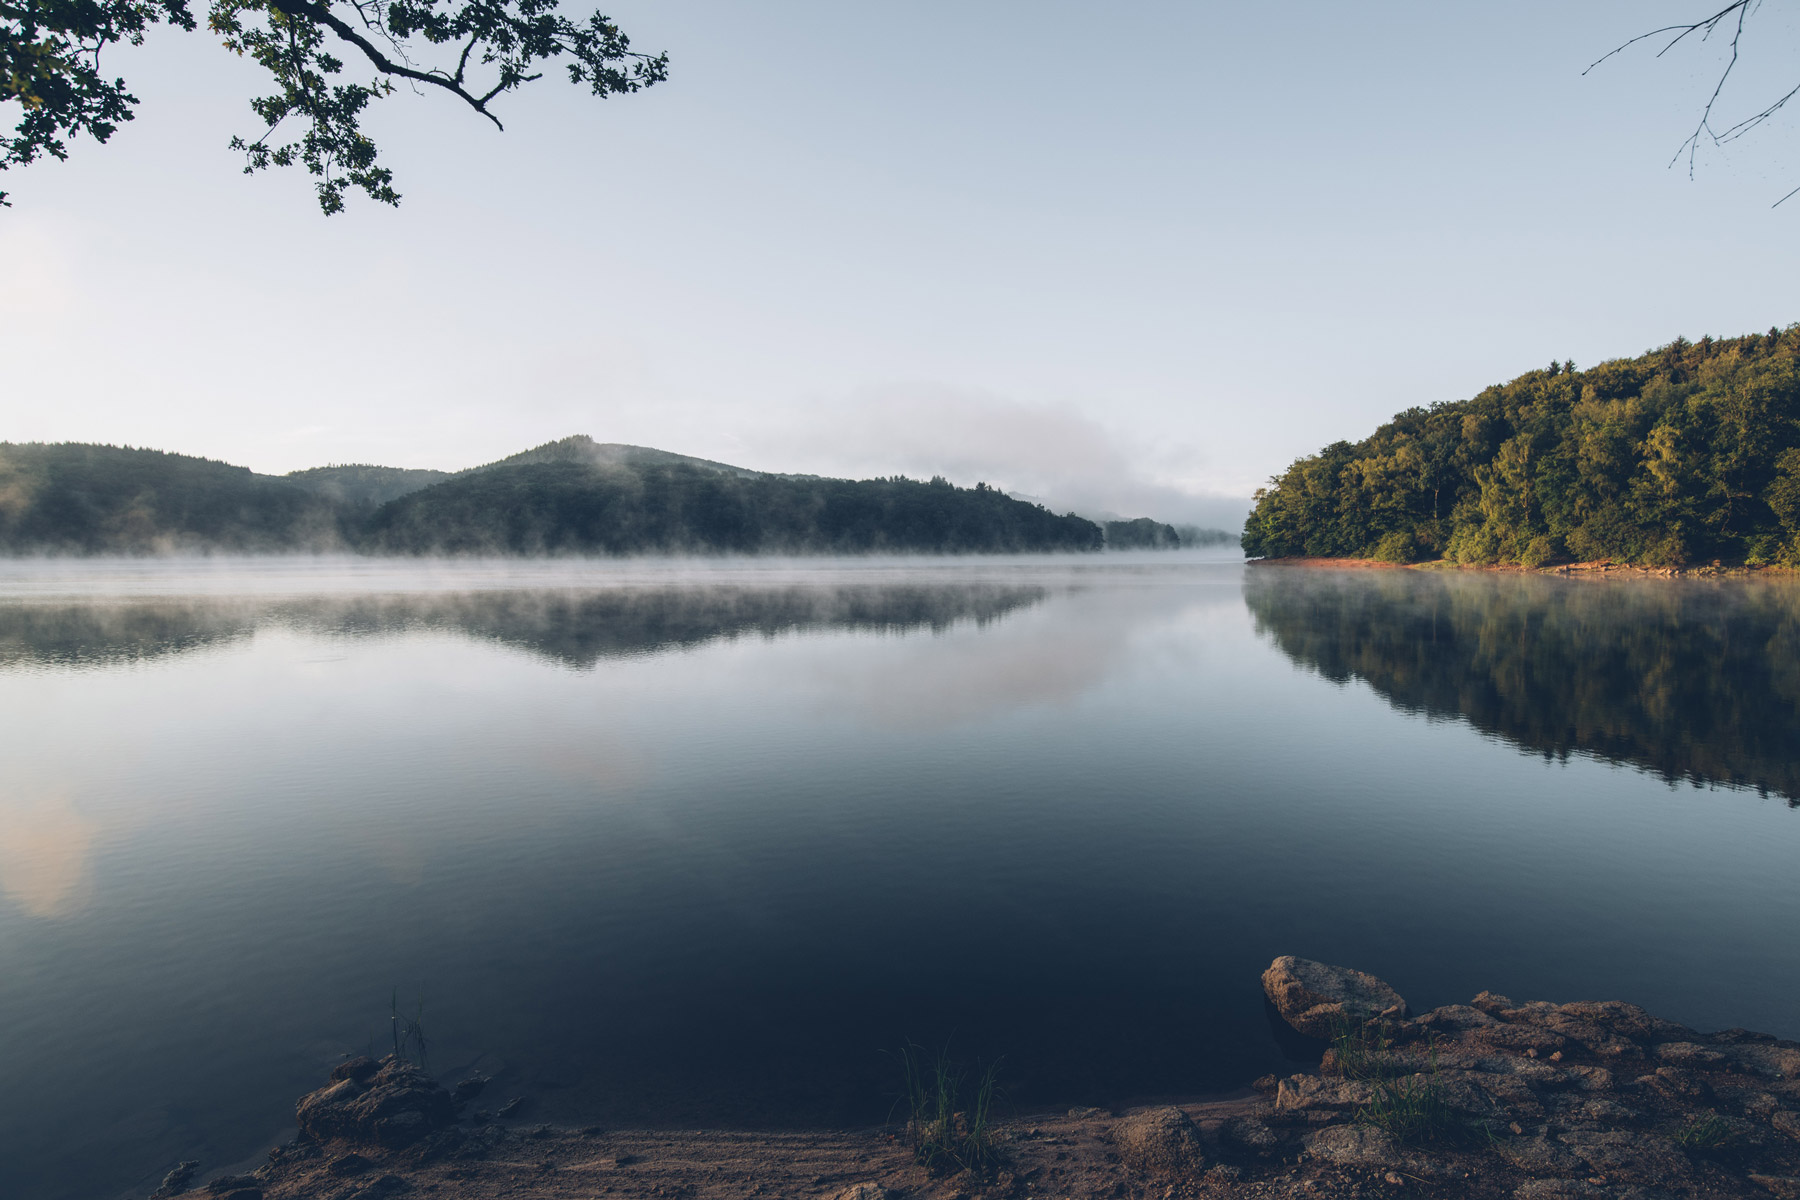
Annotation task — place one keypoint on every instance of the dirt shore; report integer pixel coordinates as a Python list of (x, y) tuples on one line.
[(1492, 1099), (1597, 567)]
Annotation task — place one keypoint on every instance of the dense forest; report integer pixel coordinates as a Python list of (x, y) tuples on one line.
[(1693, 684), (1688, 454), (574, 496), (1141, 534), (79, 499), (572, 508)]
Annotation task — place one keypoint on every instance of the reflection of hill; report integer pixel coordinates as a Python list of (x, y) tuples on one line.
[(1689, 680), (574, 627), (75, 635)]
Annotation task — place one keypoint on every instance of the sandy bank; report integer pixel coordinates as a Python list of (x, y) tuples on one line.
[(1598, 567)]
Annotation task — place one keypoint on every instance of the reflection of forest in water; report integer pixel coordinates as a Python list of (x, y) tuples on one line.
[(577, 628), (1693, 680)]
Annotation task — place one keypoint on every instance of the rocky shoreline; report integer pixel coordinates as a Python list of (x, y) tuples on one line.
[(1492, 1098)]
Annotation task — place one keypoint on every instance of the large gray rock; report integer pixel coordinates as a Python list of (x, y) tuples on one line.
[(1316, 999), (391, 1103), (1161, 1141)]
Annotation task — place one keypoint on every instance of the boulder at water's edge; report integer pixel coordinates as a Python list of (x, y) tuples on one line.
[(1316, 999)]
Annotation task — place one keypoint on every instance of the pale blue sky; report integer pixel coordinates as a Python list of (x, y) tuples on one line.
[(1126, 256)]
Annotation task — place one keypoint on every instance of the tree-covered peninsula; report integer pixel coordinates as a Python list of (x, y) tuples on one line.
[(1689, 453), (573, 496)]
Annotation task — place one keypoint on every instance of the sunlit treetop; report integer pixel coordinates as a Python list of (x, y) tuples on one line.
[(475, 50)]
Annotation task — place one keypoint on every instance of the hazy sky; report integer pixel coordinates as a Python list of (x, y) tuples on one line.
[(1125, 256)]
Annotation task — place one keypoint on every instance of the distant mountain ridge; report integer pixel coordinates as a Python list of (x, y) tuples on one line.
[(570, 496)]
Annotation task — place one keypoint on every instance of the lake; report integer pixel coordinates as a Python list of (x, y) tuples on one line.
[(705, 844)]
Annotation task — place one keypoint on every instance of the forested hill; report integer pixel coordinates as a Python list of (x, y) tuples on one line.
[(1689, 453), (573, 508), (80, 499), (575, 496)]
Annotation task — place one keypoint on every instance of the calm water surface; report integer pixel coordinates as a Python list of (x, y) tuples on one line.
[(666, 844)]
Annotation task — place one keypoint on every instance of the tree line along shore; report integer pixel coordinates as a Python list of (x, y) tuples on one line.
[(570, 497), (1688, 454)]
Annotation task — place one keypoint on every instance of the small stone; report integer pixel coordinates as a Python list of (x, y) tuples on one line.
[(1453, 1018), (1761, 1104), (1159, 1141), (396, 1106), (359, 1068), (1679, 1084), (177, 1179), (1605, 1112), (1688, 1054), (348, 1164), (1539, 1156), (863, 1191), (1393, 1180), (1555, 1189), (1636, 1157), (1251, 1135), (227, 1185), (1352, 1146), (1314, 1092)]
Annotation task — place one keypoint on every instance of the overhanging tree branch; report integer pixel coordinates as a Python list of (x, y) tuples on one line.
[(49, 63), (386, 65)]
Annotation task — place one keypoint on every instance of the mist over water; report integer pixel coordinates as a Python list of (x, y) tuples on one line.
[(694, 843)]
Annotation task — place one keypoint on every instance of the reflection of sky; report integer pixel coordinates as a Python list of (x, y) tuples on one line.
[(45, 847)]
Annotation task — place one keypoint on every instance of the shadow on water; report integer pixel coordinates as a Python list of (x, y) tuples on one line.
[(575, 628), (1692, 680)]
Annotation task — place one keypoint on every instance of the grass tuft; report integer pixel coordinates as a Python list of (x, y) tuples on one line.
[(1412, 1111), (1409, 1106), (1706, 1131), (1359, 1052), (408, 1032), (947, 1134)]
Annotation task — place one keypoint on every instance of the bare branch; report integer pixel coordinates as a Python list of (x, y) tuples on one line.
[(1736, 13), (1680, 32)]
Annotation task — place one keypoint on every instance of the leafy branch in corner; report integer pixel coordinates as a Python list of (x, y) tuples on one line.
[(1730, 19), (474, 50)]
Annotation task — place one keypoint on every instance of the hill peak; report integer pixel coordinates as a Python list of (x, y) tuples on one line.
[(580, 448)]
